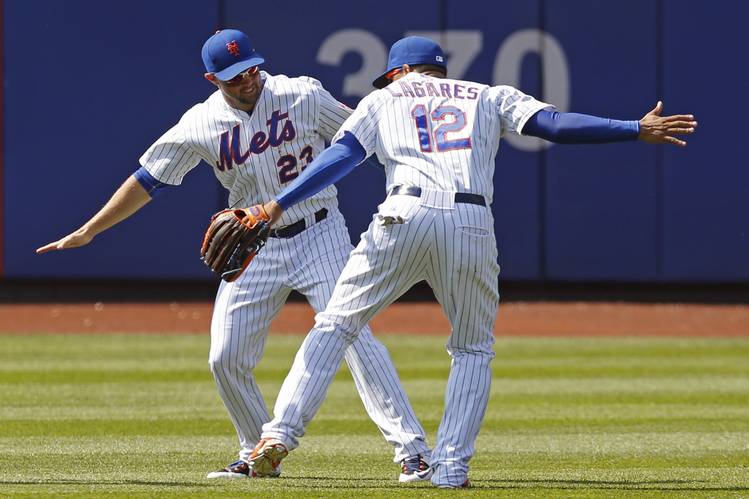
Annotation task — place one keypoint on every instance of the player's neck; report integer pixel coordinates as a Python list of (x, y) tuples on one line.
[(247, 104), (247, 108), (428, 72)]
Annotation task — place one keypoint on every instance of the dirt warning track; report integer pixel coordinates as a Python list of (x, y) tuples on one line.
[(514, 319)]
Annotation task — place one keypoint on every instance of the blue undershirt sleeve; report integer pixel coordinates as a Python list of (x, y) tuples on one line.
[(329, 167), (574, 128), (152, 186)]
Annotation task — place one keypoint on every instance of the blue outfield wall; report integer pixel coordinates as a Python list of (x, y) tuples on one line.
[(601, 201), (89, 85), (705, 199)]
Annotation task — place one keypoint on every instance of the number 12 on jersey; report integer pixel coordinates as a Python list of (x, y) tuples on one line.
[(427, 131)]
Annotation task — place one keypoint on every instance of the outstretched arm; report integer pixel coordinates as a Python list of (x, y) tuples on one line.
[(574, 128), (329, 167), (128, 199)]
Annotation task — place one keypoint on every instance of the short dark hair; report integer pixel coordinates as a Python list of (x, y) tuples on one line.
[(423, 68)]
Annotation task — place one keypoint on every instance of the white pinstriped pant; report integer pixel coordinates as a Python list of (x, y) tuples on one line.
[(452, 247), (310, 263)]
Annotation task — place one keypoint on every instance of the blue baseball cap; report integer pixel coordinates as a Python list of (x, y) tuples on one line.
[(229, 52), (411, 50)]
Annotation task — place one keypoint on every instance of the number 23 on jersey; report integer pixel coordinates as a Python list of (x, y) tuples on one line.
[(287, 164)]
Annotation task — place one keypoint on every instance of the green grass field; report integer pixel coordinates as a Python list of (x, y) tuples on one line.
[(138, 416)]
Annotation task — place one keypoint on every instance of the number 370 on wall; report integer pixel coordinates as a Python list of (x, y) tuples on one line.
[(462, 47)]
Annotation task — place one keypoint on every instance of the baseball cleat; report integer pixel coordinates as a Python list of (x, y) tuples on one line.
[(466, 485), (415, 469), (240, 469), (267, 455)]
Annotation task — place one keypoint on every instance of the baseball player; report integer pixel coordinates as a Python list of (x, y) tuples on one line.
[(258, 132), (437, 139)]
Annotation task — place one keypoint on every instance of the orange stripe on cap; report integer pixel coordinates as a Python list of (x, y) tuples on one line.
[(389, 75)]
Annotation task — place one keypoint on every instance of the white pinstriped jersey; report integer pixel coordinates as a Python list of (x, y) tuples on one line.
[(439, 134), (254, 155)]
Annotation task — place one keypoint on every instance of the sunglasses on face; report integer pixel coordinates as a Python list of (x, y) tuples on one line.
[(241, 76)]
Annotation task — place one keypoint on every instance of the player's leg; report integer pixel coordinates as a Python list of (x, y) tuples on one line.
[(384, 399), (464, 279), (387, 261), (242, 313), (327, 250)]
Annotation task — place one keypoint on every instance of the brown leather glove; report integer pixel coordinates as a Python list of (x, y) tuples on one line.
[(232, 240)]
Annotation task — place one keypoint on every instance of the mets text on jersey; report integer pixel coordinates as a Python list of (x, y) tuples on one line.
[(229, 150)]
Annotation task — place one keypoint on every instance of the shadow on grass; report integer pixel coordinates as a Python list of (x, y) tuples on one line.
[(71, 481), (316, 482), (656, 485), (506, 484)]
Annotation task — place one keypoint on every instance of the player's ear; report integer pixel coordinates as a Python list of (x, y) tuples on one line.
[(212, 78), (405, 69)]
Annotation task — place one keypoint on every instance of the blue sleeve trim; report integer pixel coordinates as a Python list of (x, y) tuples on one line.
[(574, 128), (329, 167), (152, 186)]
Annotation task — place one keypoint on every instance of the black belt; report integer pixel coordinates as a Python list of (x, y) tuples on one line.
[(460, 197), (297, 227)]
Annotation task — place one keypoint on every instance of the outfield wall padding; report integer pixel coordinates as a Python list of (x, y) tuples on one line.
[(88, 86)]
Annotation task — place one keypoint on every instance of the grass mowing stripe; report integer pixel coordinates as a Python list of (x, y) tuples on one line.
[(729, 392), (63, 376), (195, 346), (137, 449), (194, 425), (347, 408), (674, 445), (161, 364)]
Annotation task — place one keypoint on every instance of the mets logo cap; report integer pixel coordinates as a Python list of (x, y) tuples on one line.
[(229, 52), (411, 50)]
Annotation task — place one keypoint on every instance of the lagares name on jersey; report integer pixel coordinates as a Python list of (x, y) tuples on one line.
[(229, 153), (447, 90)]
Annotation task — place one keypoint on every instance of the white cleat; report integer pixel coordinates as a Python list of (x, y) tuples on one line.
[(415, 469)]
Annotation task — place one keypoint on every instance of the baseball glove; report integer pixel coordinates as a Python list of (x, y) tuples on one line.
[(232, 240)]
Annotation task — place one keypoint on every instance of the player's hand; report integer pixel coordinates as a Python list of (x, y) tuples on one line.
[(274, 211), (81, 237), (657, 129)]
